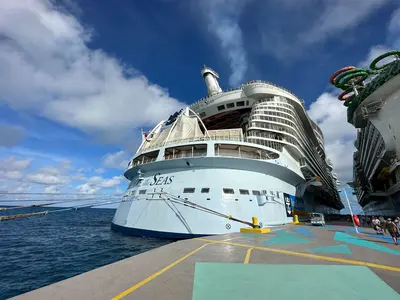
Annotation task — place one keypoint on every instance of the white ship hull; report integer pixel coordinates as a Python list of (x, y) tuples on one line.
[(247, 152), (152, 214)]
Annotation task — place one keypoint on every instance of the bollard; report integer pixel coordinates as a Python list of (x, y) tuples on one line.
[(296, 220), (256, 228), (255, 221)]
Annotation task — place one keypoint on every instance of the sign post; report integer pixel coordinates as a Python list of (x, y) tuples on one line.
[(351, 211)]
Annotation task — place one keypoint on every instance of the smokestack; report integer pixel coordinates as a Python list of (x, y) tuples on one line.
[(210, 76)]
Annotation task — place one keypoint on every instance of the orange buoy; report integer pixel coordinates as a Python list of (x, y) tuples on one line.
[(357, 220)]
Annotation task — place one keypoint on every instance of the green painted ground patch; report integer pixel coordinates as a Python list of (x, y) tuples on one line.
[(338, 249), (229, 281)]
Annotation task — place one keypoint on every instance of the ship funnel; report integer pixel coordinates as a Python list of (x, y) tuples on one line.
[(210, 76)]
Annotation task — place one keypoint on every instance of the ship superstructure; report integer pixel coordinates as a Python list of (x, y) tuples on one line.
[(372, 97), (249, 151)]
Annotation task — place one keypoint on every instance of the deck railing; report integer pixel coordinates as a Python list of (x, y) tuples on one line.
[(262, 155), (197, 103), (186, 154), (190, 140)]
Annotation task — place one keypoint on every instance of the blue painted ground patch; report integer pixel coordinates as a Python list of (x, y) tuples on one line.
[(382, 237), (329, 226), (341, 237), (339, 249), (352, 230), (285, 238), (303, 231)]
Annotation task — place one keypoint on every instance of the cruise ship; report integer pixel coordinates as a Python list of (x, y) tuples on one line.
[(210, 168), (372, 99)]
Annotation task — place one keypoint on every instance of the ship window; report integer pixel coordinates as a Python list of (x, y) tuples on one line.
[(205, 190), (230, 105), (228, 191), (256, 193), (264, 192), (188, 190), (247, 102), (202, 114), (244, 192), (221, 107), (272, 193), (141, 192), (240, 103)]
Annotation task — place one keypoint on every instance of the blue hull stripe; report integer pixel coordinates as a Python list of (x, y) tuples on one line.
[(153, 233)]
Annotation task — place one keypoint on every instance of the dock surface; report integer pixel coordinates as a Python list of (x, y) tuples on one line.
[(290, 262)]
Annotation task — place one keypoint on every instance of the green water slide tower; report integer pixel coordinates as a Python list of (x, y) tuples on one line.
[(357, 83)]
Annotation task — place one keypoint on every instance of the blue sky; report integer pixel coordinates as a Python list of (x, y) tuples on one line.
[(79, 79)]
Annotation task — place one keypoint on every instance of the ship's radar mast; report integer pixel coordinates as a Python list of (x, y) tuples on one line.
[(210, 76)]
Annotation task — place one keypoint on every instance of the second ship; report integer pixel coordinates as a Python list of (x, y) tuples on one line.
[(249, 151)]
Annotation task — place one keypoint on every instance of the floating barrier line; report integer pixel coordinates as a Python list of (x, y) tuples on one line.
[(19, 216)]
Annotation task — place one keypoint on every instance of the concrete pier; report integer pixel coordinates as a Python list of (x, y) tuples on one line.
[(290, 262)]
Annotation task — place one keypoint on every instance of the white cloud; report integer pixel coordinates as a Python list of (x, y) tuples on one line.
[(340, 15), (311, 22), (118, 160), (339, 135), (52, 189), (87, 188), (49, 175), (374, 52), (223, 21), (394, 29), (13, 168), (99, 171), (46, 57), (96, 183), (394, 23), (17, 176), (43, 178), (12, 163)]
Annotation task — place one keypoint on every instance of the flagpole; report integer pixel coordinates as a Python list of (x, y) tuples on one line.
[(351, 211)]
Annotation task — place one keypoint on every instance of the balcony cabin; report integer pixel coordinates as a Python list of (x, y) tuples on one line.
[(197, 150), (241, 151), (145, 158)]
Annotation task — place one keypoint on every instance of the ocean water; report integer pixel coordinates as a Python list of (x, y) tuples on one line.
[(41, 250)]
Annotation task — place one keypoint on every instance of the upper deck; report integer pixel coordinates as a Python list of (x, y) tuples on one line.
[(228, 147), (227, 109), (259, 114)]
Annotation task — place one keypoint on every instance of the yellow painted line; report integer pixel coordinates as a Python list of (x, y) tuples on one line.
[(327, 258), (247, 257), (231, 239), (151, 277)]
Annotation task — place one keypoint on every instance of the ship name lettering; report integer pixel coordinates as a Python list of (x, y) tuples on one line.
[(161, 180)]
